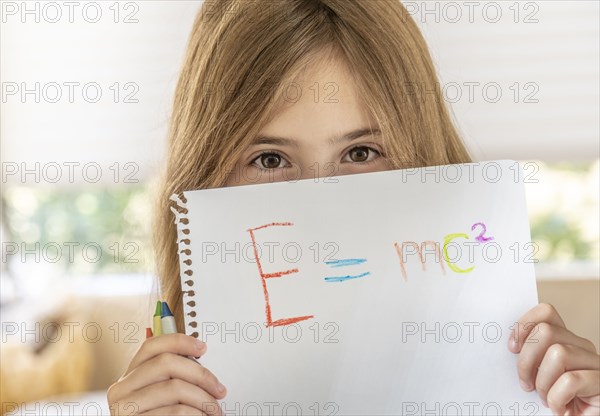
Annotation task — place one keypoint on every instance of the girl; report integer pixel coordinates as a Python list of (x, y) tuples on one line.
[(290, 89)]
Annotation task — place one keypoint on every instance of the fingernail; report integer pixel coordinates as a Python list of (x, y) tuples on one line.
[(545, 402), (513, 344), (524, 385), (200, 344), (220, 387)]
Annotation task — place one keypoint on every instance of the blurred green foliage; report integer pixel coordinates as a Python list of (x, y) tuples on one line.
[(558, 236), (96, 231), (562, 203)]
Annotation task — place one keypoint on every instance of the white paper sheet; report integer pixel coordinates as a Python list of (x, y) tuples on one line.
[(431, 339)]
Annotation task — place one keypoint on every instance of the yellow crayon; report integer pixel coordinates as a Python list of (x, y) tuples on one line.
[(157, 325)]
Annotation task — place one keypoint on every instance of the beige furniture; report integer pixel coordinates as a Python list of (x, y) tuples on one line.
[(123, 320)]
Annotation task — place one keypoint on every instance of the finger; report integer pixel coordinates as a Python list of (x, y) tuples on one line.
[(174, 343), (542, 312), (123, 407), (534, 349), (178, 409), (560, 358), (572, 384), (173, 392), (168, 366)]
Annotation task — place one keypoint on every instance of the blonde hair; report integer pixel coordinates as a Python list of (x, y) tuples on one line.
[(239, 59)]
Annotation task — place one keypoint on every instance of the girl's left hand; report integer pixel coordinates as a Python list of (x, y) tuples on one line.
[(563, 367)]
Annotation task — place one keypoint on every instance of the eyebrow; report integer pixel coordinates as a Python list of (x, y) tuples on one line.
[(283, 141)]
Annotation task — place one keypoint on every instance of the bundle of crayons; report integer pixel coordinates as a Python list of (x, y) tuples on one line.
[(163, 321)]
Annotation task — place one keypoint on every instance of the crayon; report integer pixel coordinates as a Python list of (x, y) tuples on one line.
[(148, 333), (167, 320), (157, 324)]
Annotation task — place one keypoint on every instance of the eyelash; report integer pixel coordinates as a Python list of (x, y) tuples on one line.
[(274, 152), (371, 149), (266, 152)]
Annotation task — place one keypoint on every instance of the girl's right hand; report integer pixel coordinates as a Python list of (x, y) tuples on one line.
[(160, 380)]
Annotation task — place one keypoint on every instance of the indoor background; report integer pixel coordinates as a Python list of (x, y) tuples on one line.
[(86, 94)]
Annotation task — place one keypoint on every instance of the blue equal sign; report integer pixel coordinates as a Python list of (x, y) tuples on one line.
[(342, 263)]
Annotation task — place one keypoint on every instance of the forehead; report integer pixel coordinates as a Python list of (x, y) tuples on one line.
[(321, 99)]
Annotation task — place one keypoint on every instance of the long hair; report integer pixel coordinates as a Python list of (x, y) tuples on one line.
[(240, 57)]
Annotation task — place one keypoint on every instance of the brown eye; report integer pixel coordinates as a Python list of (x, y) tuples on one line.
[(359, 154), (270, 160)]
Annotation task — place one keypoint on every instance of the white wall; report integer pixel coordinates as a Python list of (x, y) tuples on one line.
[(558, 55)]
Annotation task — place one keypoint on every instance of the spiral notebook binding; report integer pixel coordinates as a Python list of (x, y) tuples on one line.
[(184, 252)]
